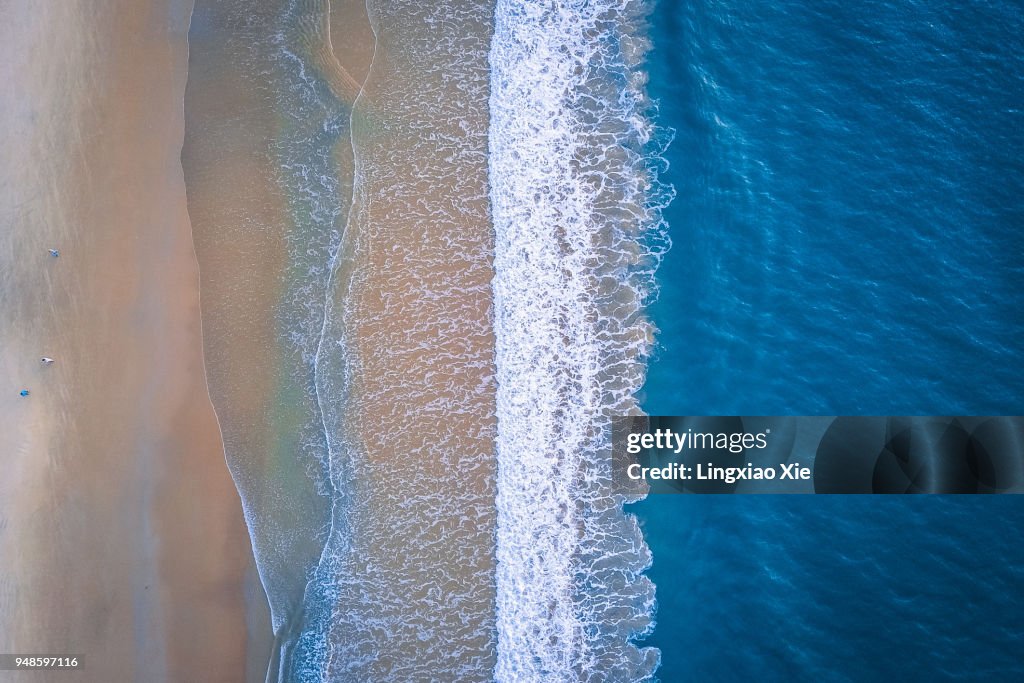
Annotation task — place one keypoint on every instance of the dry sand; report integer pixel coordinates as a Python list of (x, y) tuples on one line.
[(121, 533)]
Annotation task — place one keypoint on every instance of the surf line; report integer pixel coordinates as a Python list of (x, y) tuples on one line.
[(575, 204)]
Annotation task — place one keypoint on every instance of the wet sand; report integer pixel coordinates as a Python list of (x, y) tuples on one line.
[(121, 533)]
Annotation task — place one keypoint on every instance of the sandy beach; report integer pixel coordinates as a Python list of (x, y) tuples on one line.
[(121, 533)]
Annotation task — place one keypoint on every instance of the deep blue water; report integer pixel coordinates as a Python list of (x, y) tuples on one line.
[(848, 239)]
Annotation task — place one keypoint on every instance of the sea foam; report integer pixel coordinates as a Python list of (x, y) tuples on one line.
[(576, 209)]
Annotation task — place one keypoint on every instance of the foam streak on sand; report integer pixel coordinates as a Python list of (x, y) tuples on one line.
[(576, 210)]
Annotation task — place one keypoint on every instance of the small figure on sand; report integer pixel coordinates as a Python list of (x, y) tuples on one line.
[(23, 392), (54, 253), (46, 361)]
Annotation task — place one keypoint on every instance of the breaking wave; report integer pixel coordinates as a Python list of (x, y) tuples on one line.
[(576, 206)]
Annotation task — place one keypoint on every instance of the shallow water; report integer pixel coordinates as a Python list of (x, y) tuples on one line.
[(356, 250), (405, 365), (267, 210)]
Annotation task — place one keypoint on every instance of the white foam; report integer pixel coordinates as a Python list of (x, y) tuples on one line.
[(576, 210)]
